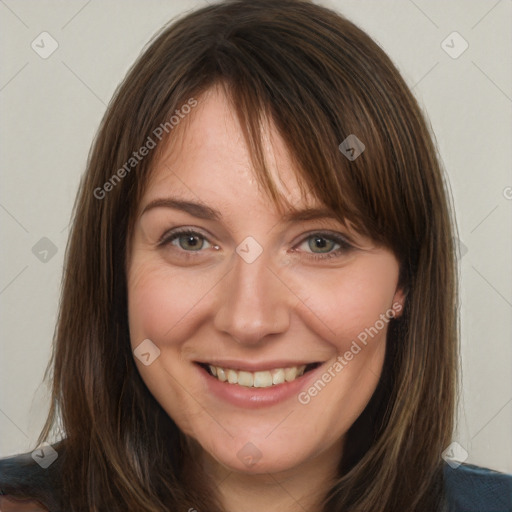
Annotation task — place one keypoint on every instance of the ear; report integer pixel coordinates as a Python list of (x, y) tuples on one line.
[(398, 304)]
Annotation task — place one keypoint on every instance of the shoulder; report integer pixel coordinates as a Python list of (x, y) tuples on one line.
[(29, 483), (472, 488), (10, 504)]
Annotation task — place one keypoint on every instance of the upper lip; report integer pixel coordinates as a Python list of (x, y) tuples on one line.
[(252, 366)]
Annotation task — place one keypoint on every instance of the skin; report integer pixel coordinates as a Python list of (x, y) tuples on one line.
[(284, 305)]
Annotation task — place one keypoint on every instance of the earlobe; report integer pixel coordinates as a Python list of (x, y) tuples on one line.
[(398, 302)]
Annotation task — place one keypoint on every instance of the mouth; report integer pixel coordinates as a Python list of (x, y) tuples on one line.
[(258, 379)]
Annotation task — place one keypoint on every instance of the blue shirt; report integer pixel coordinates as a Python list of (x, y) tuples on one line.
[(468, 488), (474, 489)]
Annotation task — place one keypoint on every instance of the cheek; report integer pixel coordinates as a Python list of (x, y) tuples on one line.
[(161, 304), (351, 301), (148, 305), (161, 299)]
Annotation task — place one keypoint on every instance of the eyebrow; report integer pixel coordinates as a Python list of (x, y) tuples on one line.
[(202, 211)]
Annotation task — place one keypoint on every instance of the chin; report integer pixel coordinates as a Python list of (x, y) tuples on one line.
[(259, 456)]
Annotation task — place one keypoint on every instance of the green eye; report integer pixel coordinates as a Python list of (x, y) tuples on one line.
[(322, 243), (315, 246), (190, 242), (318, 246)]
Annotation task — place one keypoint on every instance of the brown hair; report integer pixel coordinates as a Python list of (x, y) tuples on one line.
[(320, 79)]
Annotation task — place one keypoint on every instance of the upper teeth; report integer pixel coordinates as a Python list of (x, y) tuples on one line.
[(263, 379)]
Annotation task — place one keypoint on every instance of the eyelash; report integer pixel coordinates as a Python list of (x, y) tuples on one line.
[(333, 237)]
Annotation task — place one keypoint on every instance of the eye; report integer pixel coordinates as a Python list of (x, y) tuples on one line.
[(316, 246), (186, 239), (324, 245)]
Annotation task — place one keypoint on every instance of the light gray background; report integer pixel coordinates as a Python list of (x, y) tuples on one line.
[(51, 109)]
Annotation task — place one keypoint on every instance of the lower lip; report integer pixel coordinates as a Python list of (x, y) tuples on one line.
[(254, 398)]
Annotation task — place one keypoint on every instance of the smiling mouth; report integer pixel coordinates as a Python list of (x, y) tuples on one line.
[(260, 379)]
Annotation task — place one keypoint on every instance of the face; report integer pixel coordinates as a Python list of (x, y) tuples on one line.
[(261, 334)]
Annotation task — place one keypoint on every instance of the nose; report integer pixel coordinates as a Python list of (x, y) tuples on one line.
[(254, 303)]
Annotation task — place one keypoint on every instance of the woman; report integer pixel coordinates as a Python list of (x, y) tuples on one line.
[(259, 300)]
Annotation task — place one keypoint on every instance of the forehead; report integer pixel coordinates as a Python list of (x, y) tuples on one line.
[(207, 157)]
